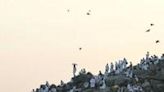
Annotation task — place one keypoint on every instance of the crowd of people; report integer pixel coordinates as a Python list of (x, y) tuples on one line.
[(99, 81)]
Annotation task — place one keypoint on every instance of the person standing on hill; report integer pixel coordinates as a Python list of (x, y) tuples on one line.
[(106, 68), (92, 82), (74, 69), (111, 67)]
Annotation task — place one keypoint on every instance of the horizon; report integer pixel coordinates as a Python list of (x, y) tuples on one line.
[(40, 39)]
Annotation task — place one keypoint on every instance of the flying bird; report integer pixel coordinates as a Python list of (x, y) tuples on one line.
[(148, 30), (88, 13), (151, 24), (80, 48), (157, 41)]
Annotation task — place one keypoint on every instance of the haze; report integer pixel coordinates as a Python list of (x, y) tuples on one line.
[(39, 39)]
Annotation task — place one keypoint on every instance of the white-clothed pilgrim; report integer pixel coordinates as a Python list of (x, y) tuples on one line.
[(106, 68), (53, 90), (92, 83), (103, 86), (111, 67), (74, 69), (130, 88)]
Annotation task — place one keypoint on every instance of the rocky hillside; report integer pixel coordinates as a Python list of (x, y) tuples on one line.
[(147, 76)]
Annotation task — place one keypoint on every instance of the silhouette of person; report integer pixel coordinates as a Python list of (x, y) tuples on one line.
[(74, 69)]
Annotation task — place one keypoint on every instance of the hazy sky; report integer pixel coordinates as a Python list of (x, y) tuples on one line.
[(39, 39)]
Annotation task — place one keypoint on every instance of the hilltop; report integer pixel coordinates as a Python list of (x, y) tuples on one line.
[(146, 76)]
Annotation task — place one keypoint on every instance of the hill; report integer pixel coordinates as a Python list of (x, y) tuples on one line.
[(147, 76)]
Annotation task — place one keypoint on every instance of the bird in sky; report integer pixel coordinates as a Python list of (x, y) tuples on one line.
[(157, 41), (80, 48), (151, 24), (88, 13), (148, 30)]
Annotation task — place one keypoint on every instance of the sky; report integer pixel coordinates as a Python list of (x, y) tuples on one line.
[(39, 39)]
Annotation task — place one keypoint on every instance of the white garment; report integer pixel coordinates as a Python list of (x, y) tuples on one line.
[(53, 90), (111, 67), (71, 90), (46, 89), (136, 78), (74, 69), (147, 55), (145, 67), (86, 84), (130, 88), (129, 73), (107, 68), (156, 62), (140, 88), (124, 63), (92, 83), (103, 86)]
